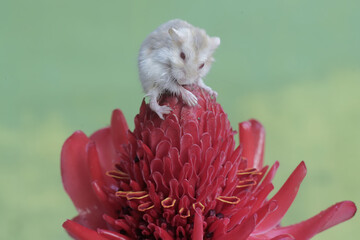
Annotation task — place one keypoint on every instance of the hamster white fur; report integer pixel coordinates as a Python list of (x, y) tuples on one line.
[(174, 55)]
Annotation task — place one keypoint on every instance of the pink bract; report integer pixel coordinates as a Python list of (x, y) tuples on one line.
[(181, 178)]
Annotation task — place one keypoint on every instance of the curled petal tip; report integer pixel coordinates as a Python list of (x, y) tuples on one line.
[(66, 223), (255, 122), (351, 205), (78, 135), (328, 218), (273, 205), (303, 165), (341, 212)]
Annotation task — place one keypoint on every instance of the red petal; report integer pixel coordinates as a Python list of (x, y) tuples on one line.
[(198, 233), (94, 167), (284, 198), (102, 196), (238, 217), (271, 174), (119, 128), (173, 133), (105, 148), (261, 197), (76, 181), (185, 144), (242, 231), (252, 138), (163, 234), (162, 149), (335, 214), (112, 235), (265, 210), (191, 127), (80, 232)]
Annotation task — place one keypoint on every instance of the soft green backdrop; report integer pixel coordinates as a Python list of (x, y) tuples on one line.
[(66, 64)]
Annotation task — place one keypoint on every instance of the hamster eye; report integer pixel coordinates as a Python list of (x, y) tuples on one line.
[(201, 66), (182, 55)]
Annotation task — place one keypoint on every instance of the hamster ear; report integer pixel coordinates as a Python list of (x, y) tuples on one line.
[(215, 42), (176, 35)]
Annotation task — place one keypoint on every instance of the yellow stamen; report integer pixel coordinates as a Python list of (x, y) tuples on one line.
[(231, 200), (121, 193), (198, 205), (246, 183), (130, 195), (137, 195), (249, 171), (168, 202), (117, 174), (184, 215), (145, 206)]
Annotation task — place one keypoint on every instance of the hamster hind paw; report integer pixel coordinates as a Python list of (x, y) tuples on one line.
[(162, 110)]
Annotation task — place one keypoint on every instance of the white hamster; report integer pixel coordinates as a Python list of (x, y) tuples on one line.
[(174, 55)]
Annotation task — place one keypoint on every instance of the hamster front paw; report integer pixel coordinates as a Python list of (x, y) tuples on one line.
[(189, 98), (213, 93), (161, 110), (210, 91)]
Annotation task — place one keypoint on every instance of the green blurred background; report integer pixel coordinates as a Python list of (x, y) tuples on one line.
[(66, 64)]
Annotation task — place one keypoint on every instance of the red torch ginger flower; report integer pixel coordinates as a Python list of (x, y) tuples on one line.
[(181, 178)]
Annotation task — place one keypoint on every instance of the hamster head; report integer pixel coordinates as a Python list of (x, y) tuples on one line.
[(191, 54)]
